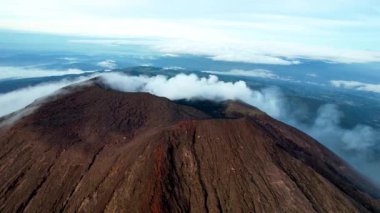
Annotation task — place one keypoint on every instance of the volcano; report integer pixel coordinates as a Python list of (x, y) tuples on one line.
[(93, 149)]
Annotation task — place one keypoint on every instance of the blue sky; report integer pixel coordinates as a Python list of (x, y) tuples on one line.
[(257, 31)]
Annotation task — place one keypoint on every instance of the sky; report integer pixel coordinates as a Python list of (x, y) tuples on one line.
[(269, 32), (255, 31)]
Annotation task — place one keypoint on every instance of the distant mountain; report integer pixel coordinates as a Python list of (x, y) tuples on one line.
[(92, 149)]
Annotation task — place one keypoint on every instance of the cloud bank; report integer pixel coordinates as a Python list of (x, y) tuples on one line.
[(356, 85), (24, 72), (263, 51), (218, 46), (272, 31), (191, 86)]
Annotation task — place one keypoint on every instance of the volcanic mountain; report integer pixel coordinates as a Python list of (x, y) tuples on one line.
[(93, 149)]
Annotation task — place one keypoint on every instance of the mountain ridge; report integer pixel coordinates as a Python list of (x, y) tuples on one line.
[(95, 149)]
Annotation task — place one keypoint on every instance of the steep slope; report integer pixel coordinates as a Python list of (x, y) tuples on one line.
[(95, 150)]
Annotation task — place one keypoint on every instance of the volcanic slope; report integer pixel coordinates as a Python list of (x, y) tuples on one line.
[(92, 149)]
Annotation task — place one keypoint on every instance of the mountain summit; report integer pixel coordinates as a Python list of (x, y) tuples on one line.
[(92, 149)]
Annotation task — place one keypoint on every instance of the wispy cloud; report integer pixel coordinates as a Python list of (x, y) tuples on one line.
[(257, 73), (108, 64), (173, 68), (327, 126), (18, 99), (264, 51), (218, 46), (25, 72), (256, 58), (267, 37), (69, 60), (356, 85)]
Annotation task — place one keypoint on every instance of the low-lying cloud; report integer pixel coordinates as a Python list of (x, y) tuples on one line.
[(257, 73), (327, 127), (356, 85), (25, 72), (107, 64), (18, 99), (358, 145), (69, 60), (191, 86), (173, 68)]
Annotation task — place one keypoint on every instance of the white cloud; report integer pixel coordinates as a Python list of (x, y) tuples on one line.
[(24, 72), (108, 64), (257, 59), (197, 8), (173, 68), (264, 51), (170, 55), (70, 60), (191, 86), (179, 87), (221, 46), (327, 127), (261, 38), (258, 73), (356, 85), (18, 99)]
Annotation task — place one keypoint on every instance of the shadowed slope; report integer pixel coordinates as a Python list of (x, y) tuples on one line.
[(97, 150)]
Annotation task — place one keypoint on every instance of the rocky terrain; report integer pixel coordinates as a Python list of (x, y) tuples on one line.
[(91, 149)]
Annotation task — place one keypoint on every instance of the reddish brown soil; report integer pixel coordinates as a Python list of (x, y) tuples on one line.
[(97, 150)]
